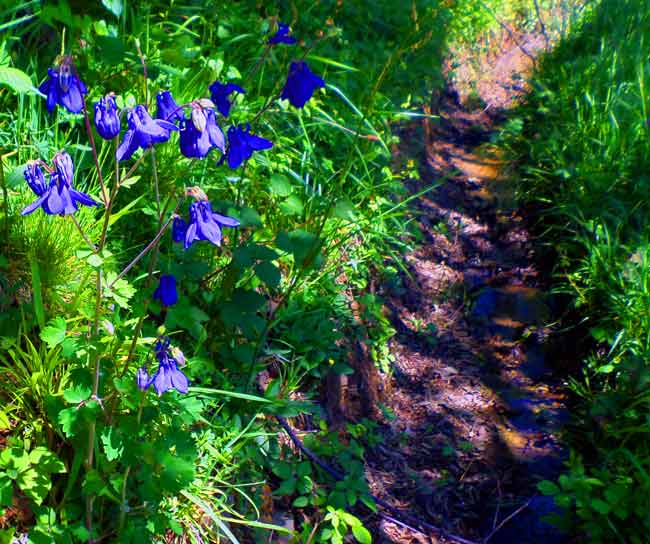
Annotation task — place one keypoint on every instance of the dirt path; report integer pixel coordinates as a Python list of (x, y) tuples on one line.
[(475, 410)]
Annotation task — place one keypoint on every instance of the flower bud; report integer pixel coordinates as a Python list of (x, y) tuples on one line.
[(107, 119)]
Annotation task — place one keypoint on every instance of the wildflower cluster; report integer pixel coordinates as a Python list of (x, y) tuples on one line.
[(198, 123)]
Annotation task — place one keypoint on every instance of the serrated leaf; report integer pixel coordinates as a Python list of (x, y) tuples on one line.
[(36, 485), (46, 461), (77, 394), (54, 333), (128, 182), (112, 442), (17, 80)]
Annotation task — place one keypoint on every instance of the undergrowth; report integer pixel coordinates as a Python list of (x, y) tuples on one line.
[(582, 145)]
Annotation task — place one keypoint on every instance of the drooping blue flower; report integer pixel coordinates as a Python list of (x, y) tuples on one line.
[(107, 118), (60, 197), (179, 228), (166, 291), (242, 144), (168, 109), (64, 88), (201, 133), (204, 224), (35, 178), (168, 376), (301, 84), (282, 36), (220, 94), (143, 132), (142, 378)]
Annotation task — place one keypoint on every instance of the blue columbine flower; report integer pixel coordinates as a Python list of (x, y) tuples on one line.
[(204, 224), (143, 132), (166, 292), (301, 84), (64, 88), (142, 378), (59, 197), (107, 118), (179, 229), (242, 144), (201, 133), (282, 36), (35, 178), (168, 109), (168, 376), (220, 93)]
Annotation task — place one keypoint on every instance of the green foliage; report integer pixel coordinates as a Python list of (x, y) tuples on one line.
[(318, 214), (582, 143)]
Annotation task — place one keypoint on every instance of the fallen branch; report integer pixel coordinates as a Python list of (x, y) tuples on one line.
[(401, 518), (506, 520)]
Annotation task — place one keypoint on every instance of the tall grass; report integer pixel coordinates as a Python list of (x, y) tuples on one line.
[(584, 157)]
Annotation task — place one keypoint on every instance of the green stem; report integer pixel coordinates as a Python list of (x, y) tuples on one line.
[(89, 130), (127, 471)]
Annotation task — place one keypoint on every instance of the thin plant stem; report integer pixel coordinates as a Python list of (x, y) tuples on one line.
[(93, 147), (156, 186), (127, 471), (148, 248), (83, 234)]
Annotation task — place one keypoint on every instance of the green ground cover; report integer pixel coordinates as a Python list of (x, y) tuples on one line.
[(582, 143)]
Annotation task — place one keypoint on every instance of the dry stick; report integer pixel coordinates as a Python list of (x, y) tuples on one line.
[(147, 248), (510, 33), (337, 475), (541, 24), (506, 520)]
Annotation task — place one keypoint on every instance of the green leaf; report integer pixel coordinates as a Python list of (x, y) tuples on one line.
[(35, 484), (114, 6), (301, 502), (17, 80), (600, 506), (361, 534), (344, 209), (548, 488), (112, 442), (269, 274), (4, 421), (46, 461), (6, 491), (77, 394), (54, 333), (292, 206), (282, 469), (280, 185)]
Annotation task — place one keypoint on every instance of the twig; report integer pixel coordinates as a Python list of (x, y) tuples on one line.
[(506, 520), (403, 518), (146, 249), (541, 24)]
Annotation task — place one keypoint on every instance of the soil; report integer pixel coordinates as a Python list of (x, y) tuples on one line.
[(474, 407)]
